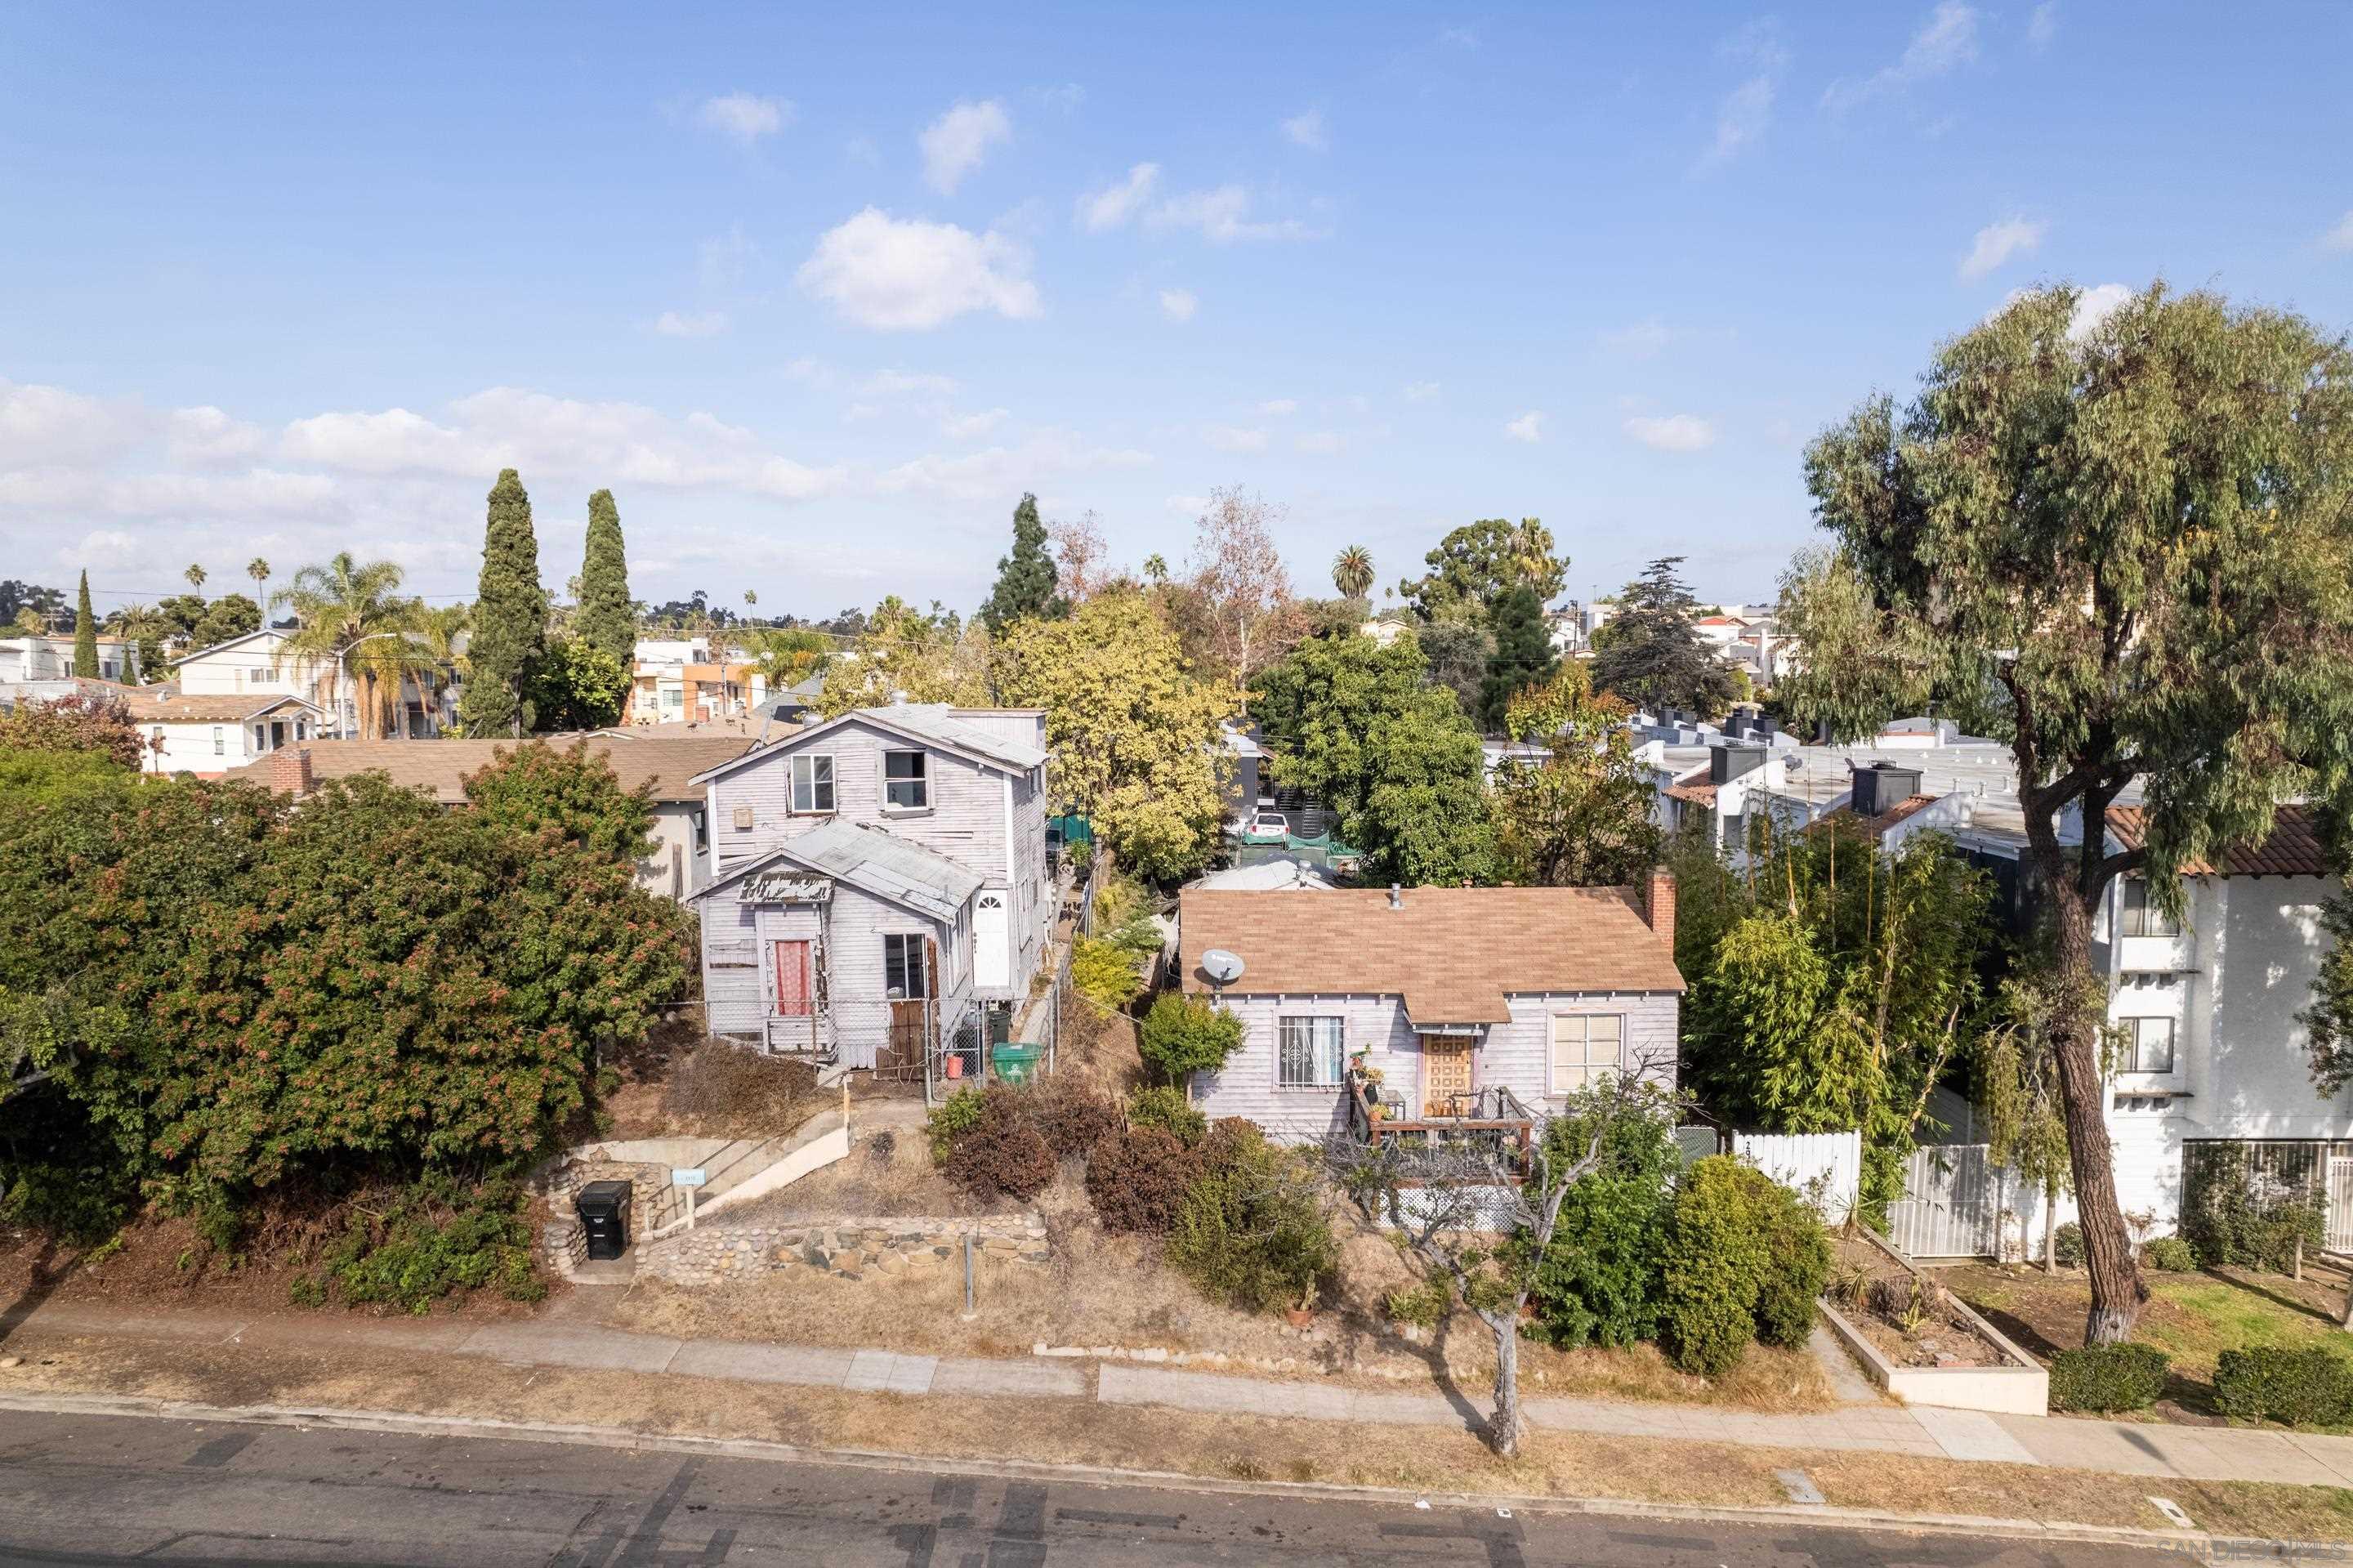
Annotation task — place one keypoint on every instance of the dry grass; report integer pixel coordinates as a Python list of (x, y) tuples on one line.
[(721, 1089), (1071, 1432), (889, 1172)]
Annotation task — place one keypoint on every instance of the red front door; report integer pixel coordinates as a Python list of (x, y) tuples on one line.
[(795, 997)]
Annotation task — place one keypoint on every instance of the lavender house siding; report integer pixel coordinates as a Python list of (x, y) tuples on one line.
[(1516, 1055)]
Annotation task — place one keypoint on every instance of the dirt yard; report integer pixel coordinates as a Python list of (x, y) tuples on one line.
[(1907, 1320)]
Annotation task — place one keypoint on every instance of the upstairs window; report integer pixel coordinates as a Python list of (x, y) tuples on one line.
[(2151, 1044), (906, 783), (2142, 918), (813, 784)]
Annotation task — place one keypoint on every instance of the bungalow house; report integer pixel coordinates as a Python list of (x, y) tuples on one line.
[(664, 767), (878, 886), (209, 735), (1464, 999)]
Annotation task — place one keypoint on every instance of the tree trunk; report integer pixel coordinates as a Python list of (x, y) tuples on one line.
[(2117, 1288), (1503, 1425)]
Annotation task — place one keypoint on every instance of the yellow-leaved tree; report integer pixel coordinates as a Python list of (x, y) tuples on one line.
[(923, 656)]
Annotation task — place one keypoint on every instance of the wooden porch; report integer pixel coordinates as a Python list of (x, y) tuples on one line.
[(1491, 1118)]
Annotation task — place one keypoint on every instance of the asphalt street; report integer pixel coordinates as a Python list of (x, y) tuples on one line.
[(107, 1489)]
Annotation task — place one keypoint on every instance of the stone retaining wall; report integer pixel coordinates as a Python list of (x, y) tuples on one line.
[(848, 1248), (653, 1201)]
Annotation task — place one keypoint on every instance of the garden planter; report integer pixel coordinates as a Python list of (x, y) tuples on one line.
[(1300, 1317), (2006, 1378)]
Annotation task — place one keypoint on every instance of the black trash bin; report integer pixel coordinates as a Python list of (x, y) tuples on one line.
[(604, 1208)]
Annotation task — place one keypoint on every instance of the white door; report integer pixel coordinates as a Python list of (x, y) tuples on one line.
[(992, 942)]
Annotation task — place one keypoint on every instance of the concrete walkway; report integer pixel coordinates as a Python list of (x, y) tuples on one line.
[(2128, 1448)]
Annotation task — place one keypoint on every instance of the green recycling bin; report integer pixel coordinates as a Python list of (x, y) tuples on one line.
[(1014, 1063)]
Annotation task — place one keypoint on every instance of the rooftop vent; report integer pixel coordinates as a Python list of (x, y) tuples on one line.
[(1727, 761), (1884, 785)]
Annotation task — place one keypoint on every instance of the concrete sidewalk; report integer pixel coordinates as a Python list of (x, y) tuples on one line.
[(2116, 1448)]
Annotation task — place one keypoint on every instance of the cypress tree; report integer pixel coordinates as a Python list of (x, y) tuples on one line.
[(1026, 578), (1523, 656), (510, 617), (605, 619), (85, 633)]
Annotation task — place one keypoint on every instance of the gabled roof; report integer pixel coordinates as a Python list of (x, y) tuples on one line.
[(1454, 954), (933, 724), (2293, 849), (168, 705), (232, 642), (872, 861), (440, 768), (1693, 787)]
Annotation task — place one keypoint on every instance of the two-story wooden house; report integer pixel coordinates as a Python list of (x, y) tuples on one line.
[(877, 883)]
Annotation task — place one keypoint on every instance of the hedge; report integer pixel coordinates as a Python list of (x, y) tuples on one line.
[(2302, 1388), (2107, 1378)]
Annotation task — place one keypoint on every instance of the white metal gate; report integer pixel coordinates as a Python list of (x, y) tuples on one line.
[(1954, 1200), (1825, 1168), (2340, 1203)]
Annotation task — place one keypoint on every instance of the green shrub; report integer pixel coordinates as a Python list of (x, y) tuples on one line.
[(1137, 1179), (1069, 1114), (1598, 1282), (79, 1204), (2169, 1255), (1744, 1258), (1182, 1035), (951, 1119), (1104, 974), (1164, 1107), (306, 1290), (435, 1238), (2067, 1245), (1255, 1234), (2302, 1388), (1422, 1306), (2107, 1378), (2234, 1214), (1001, 1155)]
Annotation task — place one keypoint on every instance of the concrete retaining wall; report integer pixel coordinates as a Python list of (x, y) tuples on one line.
[(850, 1248)]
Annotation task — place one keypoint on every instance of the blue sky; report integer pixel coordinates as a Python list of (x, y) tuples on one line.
[(817, 293)]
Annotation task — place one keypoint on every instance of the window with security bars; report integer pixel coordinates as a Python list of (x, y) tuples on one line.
[(1585, 1048), (1308, 1052)]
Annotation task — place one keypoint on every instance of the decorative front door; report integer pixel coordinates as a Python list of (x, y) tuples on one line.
[(992, 954), (1445, 1075)]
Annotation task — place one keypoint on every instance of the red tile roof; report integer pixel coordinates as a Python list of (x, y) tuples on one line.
[(1842, 816), (2293, 849)]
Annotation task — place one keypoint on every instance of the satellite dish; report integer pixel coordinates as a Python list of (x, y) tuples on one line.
[(1222, 966)]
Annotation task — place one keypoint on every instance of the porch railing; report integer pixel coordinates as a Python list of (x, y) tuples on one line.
[(1493, 1122)]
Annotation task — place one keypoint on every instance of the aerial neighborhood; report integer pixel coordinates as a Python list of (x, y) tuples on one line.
[(1804, 992)]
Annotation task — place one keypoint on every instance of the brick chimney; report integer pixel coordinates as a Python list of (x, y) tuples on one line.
[(1659, 904), (289, 771)]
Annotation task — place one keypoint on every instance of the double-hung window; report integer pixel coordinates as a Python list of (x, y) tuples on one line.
[(903, 965), (2142, 918), (1308, 1052), (2151, 1044), (220, 741), (813, 784), (1585, 1048), (906, 783)]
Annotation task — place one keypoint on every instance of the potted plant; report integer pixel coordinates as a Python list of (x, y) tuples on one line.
[(1304, 1314)]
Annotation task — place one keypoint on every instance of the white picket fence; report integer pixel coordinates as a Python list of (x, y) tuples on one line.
[(1825, 1167)]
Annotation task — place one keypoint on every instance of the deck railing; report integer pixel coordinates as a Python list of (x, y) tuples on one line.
[(1493, 1120)]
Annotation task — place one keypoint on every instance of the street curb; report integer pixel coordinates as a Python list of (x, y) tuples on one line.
[(1975, 1526)]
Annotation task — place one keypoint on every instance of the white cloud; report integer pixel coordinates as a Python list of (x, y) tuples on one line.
[(1065, 99), (1747, 109), (2095, 306), (809, 371), (1000, 470), (970, 426), (1280, 406), (1418, 391), (956, 143), (1223, 216), (1638, 340), (1997, 243), (1528, 426), (1322, 443), (1672, 433), (49, 425), (2042, 26), (909, 383), (389, 442), (1946, 40), (710, 323), (1234, 438), (207, 435), (2339, 238), (1115, 204), (1179, 304), (1308, 131), (744, 117), (904, 274)]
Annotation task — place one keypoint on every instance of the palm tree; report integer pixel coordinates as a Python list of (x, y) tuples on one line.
[(441, 632), (351, 622), (1155, 569), (258, 569), (1529, 550), (790, 655), (1352, 572), (195, 576), (143, 628)]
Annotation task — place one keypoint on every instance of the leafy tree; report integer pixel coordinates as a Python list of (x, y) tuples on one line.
[(97, 725), (1582, 817), (141, 627), (510, 617), (231, 615), (1352, 572), (1242, 584), (1652, 654), (1523, 656), (258, 569), (1025, 579), (1133, 730), (86, 663), (924, 656), (577, 685), (2017, 1093), (16, 597), (1351, 724), (537, 788), (605, 619), (1474, 566), (1182, 1035), (350, 620), (1457, 653), (2139, 534), (788, 655)]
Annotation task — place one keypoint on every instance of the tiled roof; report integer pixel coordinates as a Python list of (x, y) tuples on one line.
[(1453, 953), (1840, 816), (1692, 787), (440, 768), (2293, 849), (875, 860)]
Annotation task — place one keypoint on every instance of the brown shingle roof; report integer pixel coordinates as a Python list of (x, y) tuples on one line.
[(2293, 849), (1453, 953), (167, 705), (440, 767)]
